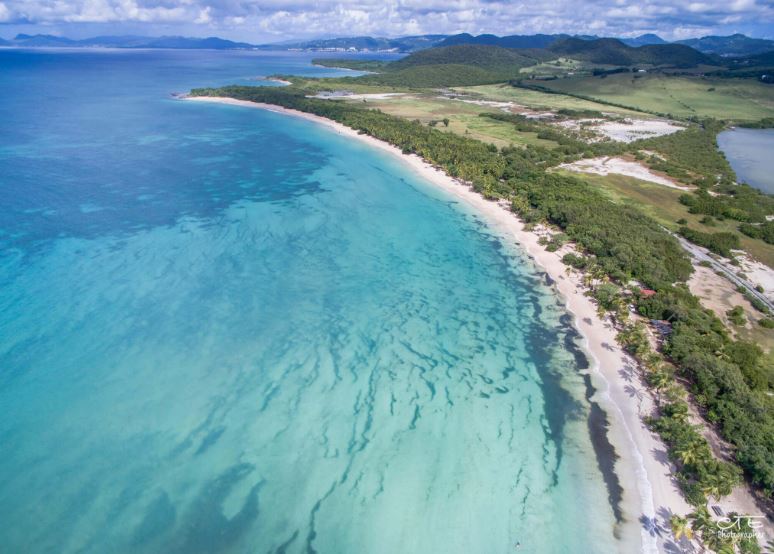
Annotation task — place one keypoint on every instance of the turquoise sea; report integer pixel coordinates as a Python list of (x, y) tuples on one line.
[(229, 330)]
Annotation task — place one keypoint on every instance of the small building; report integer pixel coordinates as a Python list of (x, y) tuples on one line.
[(647, 293)]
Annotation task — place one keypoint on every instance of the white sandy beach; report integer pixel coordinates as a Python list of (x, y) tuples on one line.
[(642, 467)]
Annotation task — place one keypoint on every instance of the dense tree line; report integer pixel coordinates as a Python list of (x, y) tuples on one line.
[(719, 243), (764, 231), (730, 380), (739, 202), (765, 123), (727, 376)]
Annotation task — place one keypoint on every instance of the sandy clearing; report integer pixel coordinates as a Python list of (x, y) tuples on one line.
[(630, 130), (608, 165)]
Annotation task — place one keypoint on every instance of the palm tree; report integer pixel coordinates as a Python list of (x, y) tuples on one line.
[(701, 521), (720, 482), (690, 452), (652, 362), (659, 380), (718, 542), (681, 527), (675, 393)]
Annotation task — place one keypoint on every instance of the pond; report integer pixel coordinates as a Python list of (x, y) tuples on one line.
[(749, 151)]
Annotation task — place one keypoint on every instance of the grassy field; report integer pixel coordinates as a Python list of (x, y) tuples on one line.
[(663, 204), (350, 84), (540, 100), (558, 67), (463, 119), (737, 99)]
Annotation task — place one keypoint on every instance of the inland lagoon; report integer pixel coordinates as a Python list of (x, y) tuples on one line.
[(749, 151)]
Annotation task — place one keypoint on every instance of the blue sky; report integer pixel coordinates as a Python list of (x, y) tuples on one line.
[(277, 20)]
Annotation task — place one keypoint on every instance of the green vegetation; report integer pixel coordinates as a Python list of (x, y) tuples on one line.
[(729, 378), (348, 63), (569, 148), (664, 205), (719, 243), (578, 262), (691, 155), (611, 51), (765, 123), (559, 67), (736, 316), (434, 76), (699, 474), (766, 323), (738, 202), (579, 114), (540, 100), (463, 117), (491, 58), (764, 231), (448, 66), (714, 537), (675, 96)]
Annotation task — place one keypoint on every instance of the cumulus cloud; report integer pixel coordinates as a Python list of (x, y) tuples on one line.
[(312, 18)]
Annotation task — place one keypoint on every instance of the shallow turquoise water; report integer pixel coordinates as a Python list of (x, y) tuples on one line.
[(749, 153), (227, 330)]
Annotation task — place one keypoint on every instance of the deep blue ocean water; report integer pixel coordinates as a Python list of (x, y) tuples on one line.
[(228, 330)]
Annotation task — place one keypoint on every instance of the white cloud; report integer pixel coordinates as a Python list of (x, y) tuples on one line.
[(308, 18), (204, 16)]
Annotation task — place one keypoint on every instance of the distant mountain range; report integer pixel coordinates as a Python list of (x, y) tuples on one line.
[(402, 44), (512, 41), (734, 45), (129, 41)]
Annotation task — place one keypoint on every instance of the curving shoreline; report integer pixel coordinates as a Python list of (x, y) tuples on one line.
[(648, 486)]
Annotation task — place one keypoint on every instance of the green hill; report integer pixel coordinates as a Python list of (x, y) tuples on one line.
[(490, 58), (459, 65), (612, 51)]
